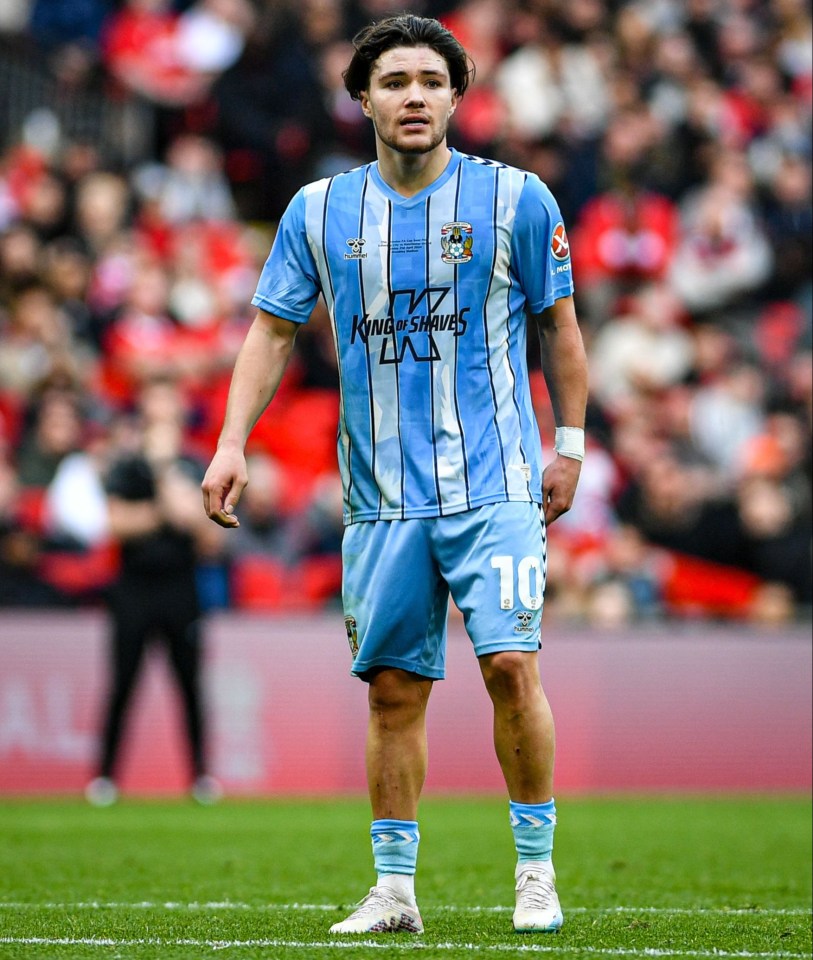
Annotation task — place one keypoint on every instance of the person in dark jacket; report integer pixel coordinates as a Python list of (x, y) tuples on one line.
[(155, 516)]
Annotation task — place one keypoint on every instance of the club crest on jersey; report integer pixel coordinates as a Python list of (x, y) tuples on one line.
[(352, 634), (355, 244), (559, 244), (457, 242)]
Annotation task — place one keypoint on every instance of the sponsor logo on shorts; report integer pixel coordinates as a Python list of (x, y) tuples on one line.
[(525, 622)]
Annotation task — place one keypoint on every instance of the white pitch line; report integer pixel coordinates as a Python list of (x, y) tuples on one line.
[(513, 948), (238, 906)]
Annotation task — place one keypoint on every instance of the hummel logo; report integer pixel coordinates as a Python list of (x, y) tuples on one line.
[(525, 619), (355, 244)]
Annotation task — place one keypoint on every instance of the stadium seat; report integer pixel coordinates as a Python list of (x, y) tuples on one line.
[(29, 509), (261, 582), (78, 573), (258, 583), (305, 437), (320, 578), (697, 587)]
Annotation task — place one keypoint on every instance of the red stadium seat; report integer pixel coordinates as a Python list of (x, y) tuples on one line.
[(76, 573), (696, 587), (29, 509), (304, 434), (258, 583), (320, 578), (261, 582)]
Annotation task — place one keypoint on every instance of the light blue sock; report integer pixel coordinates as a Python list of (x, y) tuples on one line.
[(533, 825), (395, 846)]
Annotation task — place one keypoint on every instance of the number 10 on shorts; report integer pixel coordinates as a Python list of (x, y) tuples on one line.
[(528, 579)]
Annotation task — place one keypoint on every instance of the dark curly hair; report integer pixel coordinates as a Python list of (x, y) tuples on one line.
[(406, 30)]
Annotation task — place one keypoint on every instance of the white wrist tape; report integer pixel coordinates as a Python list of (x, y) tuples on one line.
[(569, 442)]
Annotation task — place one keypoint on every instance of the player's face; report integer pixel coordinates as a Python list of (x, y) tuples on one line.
[(410, 99)]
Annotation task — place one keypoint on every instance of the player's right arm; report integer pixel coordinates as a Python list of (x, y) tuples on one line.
[(257, 374)]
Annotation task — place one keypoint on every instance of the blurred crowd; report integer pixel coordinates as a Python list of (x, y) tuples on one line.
[(676, 136)]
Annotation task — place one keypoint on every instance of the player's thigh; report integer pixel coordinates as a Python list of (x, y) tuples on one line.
[(494, 559), (395, 602)]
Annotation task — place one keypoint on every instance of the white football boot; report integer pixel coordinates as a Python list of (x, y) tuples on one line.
[(537, 909), (101, 792), (206, 790), (381, 912)]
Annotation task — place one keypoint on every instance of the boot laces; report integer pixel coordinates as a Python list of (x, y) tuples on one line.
[(374, 900), (536, 890)]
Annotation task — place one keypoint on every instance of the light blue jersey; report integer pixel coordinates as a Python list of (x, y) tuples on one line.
[(427, 297)]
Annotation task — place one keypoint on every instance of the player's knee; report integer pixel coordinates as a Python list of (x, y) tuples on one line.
[(395, 692), (511, 676)]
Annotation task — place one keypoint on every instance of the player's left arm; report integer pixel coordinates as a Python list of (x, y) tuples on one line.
[(564, 364)]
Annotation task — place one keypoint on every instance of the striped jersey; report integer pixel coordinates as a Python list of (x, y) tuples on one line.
[(427, 297)]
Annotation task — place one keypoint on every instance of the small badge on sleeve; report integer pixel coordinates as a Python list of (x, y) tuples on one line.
[(559, 244)]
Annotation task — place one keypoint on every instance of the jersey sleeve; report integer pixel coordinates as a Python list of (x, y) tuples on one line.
[(289, 283), (540, 249)]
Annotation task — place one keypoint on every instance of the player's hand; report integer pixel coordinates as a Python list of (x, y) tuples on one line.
[(223, 485), (559, 482)]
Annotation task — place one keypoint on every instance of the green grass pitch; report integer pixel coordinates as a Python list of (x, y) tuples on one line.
[(684, 877)]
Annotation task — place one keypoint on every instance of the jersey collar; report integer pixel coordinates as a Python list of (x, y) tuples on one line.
[(451, 168)]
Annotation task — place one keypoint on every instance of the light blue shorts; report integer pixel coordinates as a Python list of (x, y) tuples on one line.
[(398, 575)]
